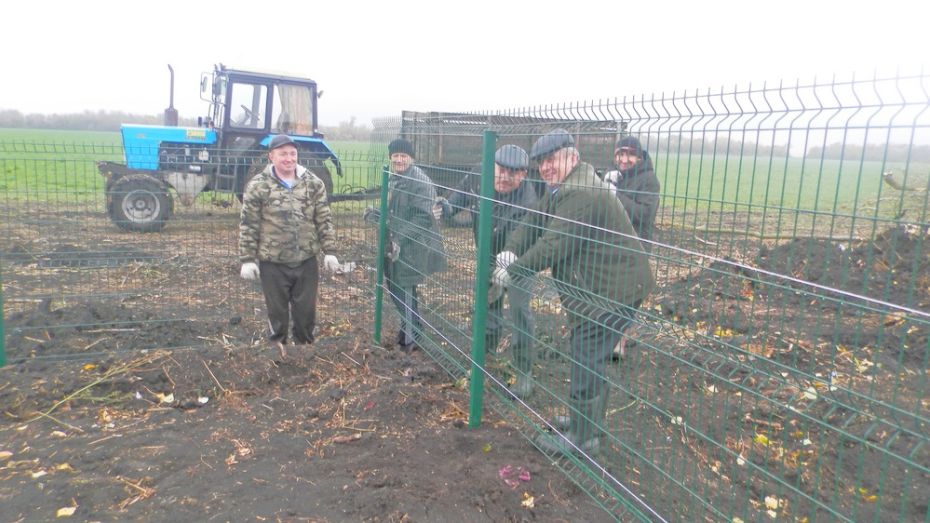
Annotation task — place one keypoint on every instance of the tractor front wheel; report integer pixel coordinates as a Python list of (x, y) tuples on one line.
[(139, 203)]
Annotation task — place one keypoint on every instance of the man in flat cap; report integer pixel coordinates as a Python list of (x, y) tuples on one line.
[(581, 232), (416, 249), (513, 197), (284, 226)]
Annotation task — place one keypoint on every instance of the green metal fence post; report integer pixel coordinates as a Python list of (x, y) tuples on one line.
[(382, 235), (482, 273)]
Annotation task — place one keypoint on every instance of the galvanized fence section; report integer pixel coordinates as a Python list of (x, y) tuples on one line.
[(779, 369), (77, 284)]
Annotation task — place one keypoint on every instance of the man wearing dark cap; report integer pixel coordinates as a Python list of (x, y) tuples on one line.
[(580, 232), (513, 197), (636, 185), (416, 249), (285, 225)]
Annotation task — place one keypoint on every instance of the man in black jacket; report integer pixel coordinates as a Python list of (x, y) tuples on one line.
[(513, 197), (636, 185)]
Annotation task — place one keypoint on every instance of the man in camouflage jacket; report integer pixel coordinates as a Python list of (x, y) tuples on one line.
[(285, 224)]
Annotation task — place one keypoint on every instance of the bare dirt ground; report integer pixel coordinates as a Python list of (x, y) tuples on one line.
[(100, 422), (101, 418)]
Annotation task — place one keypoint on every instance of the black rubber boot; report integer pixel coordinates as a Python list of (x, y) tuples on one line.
[(580, 430), (523, 387)]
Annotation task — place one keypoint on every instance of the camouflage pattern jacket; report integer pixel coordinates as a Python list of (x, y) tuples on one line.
[(285, 225)]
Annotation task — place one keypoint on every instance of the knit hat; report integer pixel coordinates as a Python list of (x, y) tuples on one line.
[(399, 145), (631, 143)]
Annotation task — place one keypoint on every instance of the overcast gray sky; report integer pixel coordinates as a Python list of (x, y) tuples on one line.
[(377, 58)]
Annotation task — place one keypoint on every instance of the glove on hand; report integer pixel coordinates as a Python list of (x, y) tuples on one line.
[(330, 263), (249, 271), (505, 258), (394, 253), (371, 214), (439, 207), (500, 278), (612, 177)]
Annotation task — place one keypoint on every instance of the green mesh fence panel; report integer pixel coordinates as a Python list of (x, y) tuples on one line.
[(95, 265), (778, 368)]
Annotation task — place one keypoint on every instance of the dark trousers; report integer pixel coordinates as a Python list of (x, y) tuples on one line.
[(592, 344), (405, 299), (290, 290), (523, 325)]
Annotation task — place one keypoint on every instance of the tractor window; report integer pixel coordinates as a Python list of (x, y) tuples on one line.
[(247, 105), (292, 110)]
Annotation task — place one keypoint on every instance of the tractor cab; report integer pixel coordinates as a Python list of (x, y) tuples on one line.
[(247, 108)]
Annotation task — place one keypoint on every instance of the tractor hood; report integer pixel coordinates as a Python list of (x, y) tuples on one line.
[(142, 141)]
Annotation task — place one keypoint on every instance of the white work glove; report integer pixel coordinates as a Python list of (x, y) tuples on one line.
[(504, 259), (249, 271), (500, 276), (394, 253), (612, 177), (330, 263), (438, 206)]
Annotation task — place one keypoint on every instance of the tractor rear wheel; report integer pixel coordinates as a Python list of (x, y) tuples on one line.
[(139, 203), (324, 175)]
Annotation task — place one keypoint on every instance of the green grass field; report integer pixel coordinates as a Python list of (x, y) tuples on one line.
[(37, 164), (51, 164)]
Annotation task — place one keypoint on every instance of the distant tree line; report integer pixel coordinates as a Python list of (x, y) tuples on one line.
[(110, 121), (84, 121), (872, 152)]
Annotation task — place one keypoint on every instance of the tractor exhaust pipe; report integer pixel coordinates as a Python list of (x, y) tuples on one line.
[(171, 114)]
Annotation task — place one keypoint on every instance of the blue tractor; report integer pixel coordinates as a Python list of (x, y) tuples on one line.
[(224, 151)]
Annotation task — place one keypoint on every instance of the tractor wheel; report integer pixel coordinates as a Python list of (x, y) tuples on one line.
[(324, 175), (139, 203), (258, 165)]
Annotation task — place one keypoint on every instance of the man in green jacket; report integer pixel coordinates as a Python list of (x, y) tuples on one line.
[(580, 232)]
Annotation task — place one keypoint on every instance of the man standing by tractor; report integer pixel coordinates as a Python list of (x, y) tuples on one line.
[(285, 225), (581, 232)]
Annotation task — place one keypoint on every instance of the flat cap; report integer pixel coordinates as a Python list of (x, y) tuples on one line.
[(550, 142), (280, 141), (512, 157)]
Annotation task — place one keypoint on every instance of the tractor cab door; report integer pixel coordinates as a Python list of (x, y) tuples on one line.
[(245, 122), (246, 119)]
